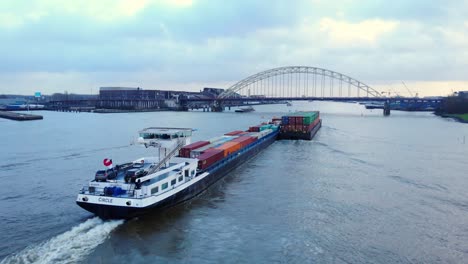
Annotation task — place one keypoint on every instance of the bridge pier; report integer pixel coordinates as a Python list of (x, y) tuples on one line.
[(386, 108), (217, 107)]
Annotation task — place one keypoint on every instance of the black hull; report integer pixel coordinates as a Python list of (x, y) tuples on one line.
[(300, 135), (216, 173)]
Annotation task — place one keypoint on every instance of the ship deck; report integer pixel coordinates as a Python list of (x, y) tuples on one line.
[(146, 166)]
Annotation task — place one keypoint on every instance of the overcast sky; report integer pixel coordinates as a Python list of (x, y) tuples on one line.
[(78, 46)]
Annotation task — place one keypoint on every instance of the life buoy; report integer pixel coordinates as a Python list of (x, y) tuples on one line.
[(107, 162)]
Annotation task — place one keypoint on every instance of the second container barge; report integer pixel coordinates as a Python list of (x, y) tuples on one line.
[(300, 125)]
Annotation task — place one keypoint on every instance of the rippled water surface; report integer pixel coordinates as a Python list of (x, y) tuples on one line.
[(366, 189)]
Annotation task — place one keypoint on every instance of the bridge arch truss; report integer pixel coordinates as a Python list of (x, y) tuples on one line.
[(299, 81)]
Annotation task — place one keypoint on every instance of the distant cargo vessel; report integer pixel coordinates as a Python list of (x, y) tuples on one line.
[(300, 125), (181, 171), (22, 107), (245, 109)]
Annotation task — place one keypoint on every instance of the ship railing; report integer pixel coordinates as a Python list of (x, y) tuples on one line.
[(131, 190), (173, 152), (91, 190)]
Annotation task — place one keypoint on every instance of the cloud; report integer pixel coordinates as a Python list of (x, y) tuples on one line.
[(454, 37), (104, 11), (86, 44), (12, 20), (178, 3), (343, 33)]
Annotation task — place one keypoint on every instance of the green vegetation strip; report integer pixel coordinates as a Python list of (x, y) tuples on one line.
[(463, 117)]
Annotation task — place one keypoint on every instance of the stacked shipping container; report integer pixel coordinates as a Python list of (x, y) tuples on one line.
[(211, 151), (263, 127), (229, 147), (233, 133), (300, 122), (244, 140), (209, 157), (185, 151)]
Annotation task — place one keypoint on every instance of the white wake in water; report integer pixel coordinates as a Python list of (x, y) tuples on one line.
[(69, 247)]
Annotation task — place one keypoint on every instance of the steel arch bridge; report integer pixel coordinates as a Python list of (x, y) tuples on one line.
[(299, 81)]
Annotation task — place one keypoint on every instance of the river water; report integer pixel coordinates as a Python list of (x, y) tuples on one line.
[(368, 188)]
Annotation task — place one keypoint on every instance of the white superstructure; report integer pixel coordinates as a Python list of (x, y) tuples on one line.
[(146, 180)]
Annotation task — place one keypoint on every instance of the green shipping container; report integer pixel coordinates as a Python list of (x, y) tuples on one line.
[(307, 117)]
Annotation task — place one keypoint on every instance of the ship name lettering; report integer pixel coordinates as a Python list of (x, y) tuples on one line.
[(106, 200)]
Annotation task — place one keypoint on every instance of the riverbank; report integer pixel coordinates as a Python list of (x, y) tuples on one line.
[(460, 117), (113, 111), (463, 118)]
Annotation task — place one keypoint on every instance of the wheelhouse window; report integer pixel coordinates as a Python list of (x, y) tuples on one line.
[(155, 190), (164, 186), (173, 182), (181, 178), (165, 134)]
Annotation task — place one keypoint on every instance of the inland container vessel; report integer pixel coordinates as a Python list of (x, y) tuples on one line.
[(180, 170)]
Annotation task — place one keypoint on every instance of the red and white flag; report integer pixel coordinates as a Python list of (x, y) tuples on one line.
[(107, 163)]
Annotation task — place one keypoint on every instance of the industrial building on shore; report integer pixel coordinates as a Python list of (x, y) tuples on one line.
[(139, 98)]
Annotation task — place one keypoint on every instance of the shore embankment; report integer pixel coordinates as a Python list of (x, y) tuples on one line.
[(459, 117)]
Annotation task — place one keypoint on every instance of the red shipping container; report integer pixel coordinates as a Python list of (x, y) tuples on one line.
[(292, 120), (311, 126), (233, 133), (209, 157), (244, 141), (254, 129), (299, 120), (185, 151)]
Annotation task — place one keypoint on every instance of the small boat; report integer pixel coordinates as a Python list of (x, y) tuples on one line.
[(374, 105), (245, 109)]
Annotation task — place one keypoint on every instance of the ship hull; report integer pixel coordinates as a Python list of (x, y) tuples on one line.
[(301, 135), (215, 174)]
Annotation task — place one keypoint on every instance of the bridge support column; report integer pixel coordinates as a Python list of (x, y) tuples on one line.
[(386, 108), (217, 107)]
